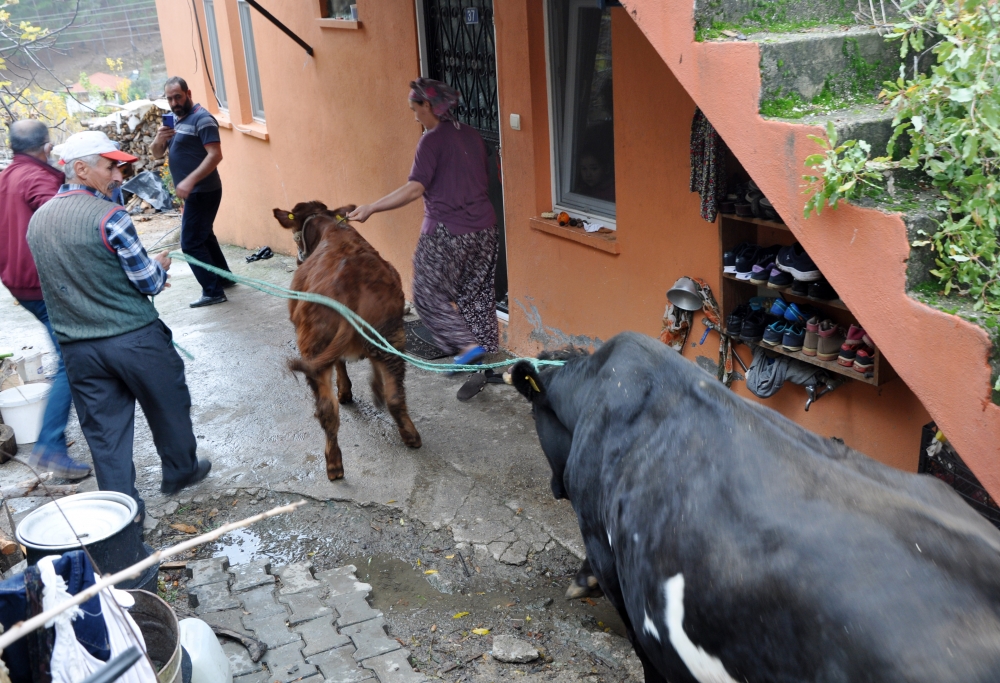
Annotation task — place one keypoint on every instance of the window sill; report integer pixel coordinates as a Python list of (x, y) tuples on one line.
[(339, 23), (597, 240), (223, 119), (255, 129)]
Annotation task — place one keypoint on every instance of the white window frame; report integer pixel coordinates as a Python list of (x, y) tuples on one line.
[(250, 56), (561, 132), (216, 54)]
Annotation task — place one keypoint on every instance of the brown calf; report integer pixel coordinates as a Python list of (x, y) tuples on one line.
[(337, 262)]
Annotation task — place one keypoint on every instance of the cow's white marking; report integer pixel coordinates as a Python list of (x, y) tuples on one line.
[(649, 627), (635, 537), (704, 667), (609, 539)]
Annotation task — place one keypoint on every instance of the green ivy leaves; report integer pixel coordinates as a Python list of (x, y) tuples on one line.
[(950, 115)]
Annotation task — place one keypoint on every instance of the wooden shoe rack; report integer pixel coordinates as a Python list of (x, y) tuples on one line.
[(735, 229)]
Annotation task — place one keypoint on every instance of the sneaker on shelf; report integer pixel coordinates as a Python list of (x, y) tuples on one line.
[(734, 321), (811, 341), (797, 314), (849, 349), (792, 339), (745, 261), (729, 258), (864, 361), (774, 333), (831, 338), (800, 288), (779, 279), (753, 327), (778, 307), (822, 291), (796, 261), (760, 274), (763, 303)]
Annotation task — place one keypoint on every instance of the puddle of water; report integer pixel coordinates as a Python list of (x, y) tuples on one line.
[(241, 545)]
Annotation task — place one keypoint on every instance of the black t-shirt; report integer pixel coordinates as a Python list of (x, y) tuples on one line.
[(187, 148)]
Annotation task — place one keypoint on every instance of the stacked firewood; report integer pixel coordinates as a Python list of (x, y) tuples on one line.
[(137, 141)]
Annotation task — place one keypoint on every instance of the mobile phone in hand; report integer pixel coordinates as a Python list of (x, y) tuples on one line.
[(168, 120)]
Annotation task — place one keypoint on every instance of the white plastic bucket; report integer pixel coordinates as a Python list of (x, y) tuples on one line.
[(23, 408)]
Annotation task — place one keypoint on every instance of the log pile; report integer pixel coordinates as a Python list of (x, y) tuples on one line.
[(135, 134)]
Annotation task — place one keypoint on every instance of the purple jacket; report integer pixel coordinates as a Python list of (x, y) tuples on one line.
[(24, 186)]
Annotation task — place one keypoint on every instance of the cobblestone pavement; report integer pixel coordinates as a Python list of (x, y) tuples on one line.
[(317, 627)]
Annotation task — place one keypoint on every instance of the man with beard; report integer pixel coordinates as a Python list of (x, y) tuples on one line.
[(97, 279), (27, 183), (195, 151)]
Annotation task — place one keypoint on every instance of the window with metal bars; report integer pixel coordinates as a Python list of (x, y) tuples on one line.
[(250, 54), (213, 49)]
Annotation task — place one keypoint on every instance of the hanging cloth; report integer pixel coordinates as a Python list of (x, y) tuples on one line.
[(71, 662), (677, 327), (708, 165)]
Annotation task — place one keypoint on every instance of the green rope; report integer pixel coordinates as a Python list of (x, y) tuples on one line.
[(183, 350), (367, 332)]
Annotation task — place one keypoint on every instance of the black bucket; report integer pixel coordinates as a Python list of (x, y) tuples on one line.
[(117, 537)]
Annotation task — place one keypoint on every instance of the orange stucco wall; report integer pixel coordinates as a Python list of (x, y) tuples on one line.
[(863, 252), (338, 125), (562, 291), (339, 131)]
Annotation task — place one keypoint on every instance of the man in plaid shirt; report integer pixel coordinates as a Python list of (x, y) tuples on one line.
[(97, 280)]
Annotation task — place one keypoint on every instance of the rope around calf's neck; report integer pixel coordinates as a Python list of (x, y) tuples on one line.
[(366, 330)]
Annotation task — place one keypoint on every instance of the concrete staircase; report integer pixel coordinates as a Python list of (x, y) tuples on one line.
[(765, 91)]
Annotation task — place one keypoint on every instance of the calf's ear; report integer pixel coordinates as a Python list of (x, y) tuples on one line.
[(525, 379), (286, 218)]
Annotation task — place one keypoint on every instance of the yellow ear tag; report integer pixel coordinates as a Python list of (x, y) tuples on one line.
[(531, 381), (338, 217), (291, 216)]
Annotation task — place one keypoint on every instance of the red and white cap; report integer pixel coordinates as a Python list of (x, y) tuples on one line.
[(90, 142)]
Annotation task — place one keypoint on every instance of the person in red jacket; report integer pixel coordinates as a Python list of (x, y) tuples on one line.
[(26, 184)]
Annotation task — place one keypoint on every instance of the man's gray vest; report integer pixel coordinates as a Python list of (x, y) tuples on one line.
[(87, 293)]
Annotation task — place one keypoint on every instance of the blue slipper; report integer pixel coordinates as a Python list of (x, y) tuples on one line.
[(473, 356)]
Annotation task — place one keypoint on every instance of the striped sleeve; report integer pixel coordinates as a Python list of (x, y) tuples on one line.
[(146, 274)]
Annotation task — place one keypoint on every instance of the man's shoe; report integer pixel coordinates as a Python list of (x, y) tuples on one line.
[(822, 291), (228, 284), (60, 464), (204, 467), (831, 338), (810, 343), (796, 261), (734, 322), (209, 301), (774, 333), (745, 261), (792, 339), (729, 258), (797, 314), (779, 279), (753, 327), (800, 288)]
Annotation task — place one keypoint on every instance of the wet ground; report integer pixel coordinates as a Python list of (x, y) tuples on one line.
[(473, 504)]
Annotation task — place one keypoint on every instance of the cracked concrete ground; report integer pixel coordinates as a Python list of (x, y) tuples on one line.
[(477, 491), (479, 465)]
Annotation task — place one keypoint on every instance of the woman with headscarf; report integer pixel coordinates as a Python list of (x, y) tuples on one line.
[(455, 261)]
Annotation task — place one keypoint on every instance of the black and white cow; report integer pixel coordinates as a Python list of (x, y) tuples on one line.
[(739, 547)]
